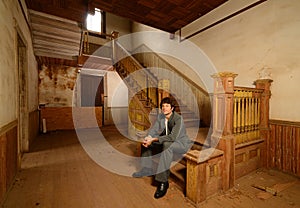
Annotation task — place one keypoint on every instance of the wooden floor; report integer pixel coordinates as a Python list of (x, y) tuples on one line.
[(57, 172)]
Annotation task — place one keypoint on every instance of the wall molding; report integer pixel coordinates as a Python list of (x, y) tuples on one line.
[(284, 122), (8, 127)]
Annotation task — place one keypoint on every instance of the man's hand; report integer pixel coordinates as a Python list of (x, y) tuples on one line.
[(148, 141)]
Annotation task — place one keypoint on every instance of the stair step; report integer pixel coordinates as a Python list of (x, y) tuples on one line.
[(199, 135), (188, 115), (178, 174), (190, 122)]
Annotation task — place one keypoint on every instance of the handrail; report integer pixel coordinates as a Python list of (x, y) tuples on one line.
[(239, 88), (85, 39), (127, 54), (198, 101), (172, 67), (137, 82)]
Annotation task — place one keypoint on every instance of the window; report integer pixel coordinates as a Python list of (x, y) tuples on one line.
[(96, 22)]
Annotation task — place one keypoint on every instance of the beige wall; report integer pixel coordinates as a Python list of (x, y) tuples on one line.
[(116, 23), (11, 21), (266, 36), (119, 24), (117, 91)]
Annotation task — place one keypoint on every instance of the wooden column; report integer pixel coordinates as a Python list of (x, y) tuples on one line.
[(196, 181), (199, 182), (264, 127), (222, 136)]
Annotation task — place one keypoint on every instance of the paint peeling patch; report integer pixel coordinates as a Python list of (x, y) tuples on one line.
[(56, 85)]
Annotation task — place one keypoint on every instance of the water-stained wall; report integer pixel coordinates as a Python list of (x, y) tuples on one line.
[(18, 87), (261, 42), (56, 85)]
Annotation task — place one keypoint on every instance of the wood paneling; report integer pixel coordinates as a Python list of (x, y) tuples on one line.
[(71, 9), (8, 156), (167, 15), (64, 118), (204, 174), (33, 125), (248, 158), (284, 146)]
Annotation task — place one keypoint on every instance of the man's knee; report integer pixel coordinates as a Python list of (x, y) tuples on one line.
[(166, 145)]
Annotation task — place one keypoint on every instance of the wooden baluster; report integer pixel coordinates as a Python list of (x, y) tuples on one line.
[(239, 116), (247, 117), (235, 114), (243, 117), (253, 116), (250, 115), (258, 116)]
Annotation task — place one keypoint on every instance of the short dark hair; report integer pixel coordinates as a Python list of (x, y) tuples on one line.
[(168, 100)]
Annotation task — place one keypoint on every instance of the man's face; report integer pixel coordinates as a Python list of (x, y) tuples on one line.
[(166, 109)]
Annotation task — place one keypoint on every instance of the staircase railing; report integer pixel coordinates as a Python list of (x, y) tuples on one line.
[(246, 114), (142, 87), (85, 47), (132, 71), (179, 84)]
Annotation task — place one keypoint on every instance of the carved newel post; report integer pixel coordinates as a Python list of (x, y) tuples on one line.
[(222, 136), (264, 127)]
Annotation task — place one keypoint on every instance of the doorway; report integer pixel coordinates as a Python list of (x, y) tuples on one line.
[(92, 92)]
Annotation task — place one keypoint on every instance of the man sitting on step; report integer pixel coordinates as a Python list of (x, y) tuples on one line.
[(169, 133)]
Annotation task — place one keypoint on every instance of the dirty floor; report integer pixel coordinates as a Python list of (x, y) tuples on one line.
[(57, 172)]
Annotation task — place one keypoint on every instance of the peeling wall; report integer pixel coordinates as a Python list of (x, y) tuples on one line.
[(261, 42), (12, 22), (56, 85)]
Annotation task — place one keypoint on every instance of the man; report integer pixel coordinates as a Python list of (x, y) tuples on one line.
[(169, 133)]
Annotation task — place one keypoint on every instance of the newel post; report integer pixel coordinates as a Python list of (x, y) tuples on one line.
[(265, 85), (222, 136), (114, 36)]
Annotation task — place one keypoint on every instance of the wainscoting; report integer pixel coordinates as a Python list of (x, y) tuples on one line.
[(8, 156), (66, 118), (284, 146), (33, 125)]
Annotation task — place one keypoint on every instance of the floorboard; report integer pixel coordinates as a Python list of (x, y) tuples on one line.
[(58, 172)]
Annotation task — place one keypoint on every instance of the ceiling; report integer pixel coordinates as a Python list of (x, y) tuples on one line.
[(56, 24)]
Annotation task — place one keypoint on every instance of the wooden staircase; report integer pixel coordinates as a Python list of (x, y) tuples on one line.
[(146, 88)]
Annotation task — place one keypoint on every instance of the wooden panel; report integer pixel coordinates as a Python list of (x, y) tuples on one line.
[(2, 165), (214, 181), (226, 144), (73, 10), (33, 129), (8, 157), (196, 181), (248, 159), (204, 177), (11, 155), (61, 118), (167, 15), (284, 146)]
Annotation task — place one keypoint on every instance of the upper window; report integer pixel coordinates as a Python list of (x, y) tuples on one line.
[(95, 22)]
